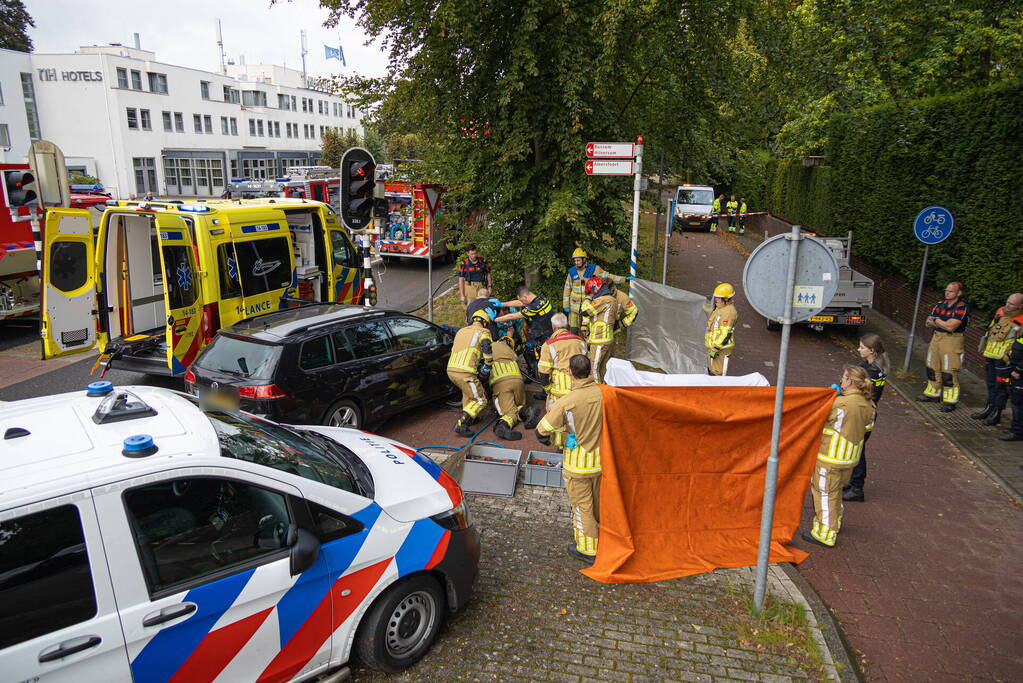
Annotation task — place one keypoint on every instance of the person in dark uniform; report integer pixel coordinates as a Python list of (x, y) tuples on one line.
[(473, 275), (483, 302), (875, 361), (1015, 360), (536, 310)]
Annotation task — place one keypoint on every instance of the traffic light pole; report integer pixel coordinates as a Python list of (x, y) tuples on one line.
[(636, 183)]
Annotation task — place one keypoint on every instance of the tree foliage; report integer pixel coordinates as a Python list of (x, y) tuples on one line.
[(14, 23)]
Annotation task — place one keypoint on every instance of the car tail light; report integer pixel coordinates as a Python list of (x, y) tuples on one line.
[(264, 392), (210, 321), (190, 377), (855, 318)]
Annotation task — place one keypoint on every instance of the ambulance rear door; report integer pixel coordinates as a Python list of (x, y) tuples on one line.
[(264, 262), (68, 283), (345, 274), (181, 291)]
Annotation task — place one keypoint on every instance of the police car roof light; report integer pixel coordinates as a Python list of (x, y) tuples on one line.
[(122, 405), (139, 446), (99, 389)]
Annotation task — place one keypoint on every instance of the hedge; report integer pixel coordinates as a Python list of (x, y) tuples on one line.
[(886, 163)]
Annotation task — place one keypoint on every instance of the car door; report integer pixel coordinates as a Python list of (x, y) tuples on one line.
[(181, 291), (207, 590), (382, 369), (424, 349), (319, 381), (59, 619), (68, 285), (345, 263)]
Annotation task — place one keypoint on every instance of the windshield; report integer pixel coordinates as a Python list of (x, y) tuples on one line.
[(240, 357), (690, 195)]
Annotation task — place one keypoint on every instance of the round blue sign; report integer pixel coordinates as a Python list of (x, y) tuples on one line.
[(933, 225)]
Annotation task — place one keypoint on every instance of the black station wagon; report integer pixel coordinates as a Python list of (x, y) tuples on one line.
[(331, 364)]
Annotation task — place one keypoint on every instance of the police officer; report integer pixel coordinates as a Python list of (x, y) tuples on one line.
[(554, 356), (578, 417), (1015, 362), (473, 275), (1004, 328), (852, 413), (509, 392), (715, 209), (573, 295), (948, 319), (719, 338), (732, 207), (471, 355), (536, 310), (601, 311), (742, 216)]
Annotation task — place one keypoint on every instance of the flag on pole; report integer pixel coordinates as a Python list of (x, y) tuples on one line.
[(334, 53)]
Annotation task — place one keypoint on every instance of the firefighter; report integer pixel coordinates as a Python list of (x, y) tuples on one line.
[(715, 209), (573, 295), (627, 309), (578, 418), (509, 392), (732, 207), (948, 319), (852, 414), (601, 310), (471, 355), (742, 216), (554, 356), (473, 274), (1015, 362), (875, 362), (720, 335), (1006, 326)]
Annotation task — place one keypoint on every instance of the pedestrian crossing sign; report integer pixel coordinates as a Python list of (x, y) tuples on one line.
[(807, 297)]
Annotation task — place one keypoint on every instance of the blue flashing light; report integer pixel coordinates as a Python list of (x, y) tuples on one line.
[(192, 208), (216, 221), (237, 180), (282, 180), (138, 445), (98, 389), (79, 188)]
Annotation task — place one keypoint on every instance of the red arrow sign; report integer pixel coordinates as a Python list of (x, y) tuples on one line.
[(608, 167), (612, 150)]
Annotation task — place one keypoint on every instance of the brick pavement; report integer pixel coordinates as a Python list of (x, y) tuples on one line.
[(925, 578)]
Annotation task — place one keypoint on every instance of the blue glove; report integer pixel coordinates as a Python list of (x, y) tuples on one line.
[(568, 310), (838, 389), (571, 442), (485, 370), (630, 277)]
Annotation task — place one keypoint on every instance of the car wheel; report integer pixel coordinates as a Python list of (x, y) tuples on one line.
[(401, 625), (344, 413)]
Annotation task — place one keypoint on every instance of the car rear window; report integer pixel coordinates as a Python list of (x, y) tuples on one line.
[(242, 357)]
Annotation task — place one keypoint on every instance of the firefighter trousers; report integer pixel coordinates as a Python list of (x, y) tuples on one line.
[(944, 358), (718, 365), (509, 398), (474, 398), (584, 496), (826, 485), (997, 379), (598, 355)]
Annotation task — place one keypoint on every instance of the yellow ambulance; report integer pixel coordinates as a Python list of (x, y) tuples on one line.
[(158, 279)]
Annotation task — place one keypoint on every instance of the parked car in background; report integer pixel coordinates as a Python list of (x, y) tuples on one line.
[(330, 364)]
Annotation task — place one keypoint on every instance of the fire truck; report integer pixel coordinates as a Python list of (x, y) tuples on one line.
[(19, 276), (411, 229)]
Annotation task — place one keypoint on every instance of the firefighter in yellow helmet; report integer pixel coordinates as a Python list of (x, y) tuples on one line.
[(720, 335), (471, 355), (554, 356), (601, 311), (509, 392), (579, 418), (852, 415), (573, 295)]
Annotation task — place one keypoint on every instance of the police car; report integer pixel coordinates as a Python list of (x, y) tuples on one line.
[(145, 538)]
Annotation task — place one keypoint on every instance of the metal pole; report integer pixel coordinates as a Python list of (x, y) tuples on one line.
[(429, 265), (668, 224), (916, 308), (771, 480), (638, 170), (657, 218)]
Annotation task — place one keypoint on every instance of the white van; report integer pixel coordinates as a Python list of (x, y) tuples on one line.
[(693, 207), (143, 538)]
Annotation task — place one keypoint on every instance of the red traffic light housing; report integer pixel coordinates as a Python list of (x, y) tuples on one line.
[(358, 180), (20, 187)]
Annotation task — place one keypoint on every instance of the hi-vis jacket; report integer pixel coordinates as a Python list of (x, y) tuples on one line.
[(554, 357), (574, 293), (852, 416), (505, 365), (472, 344), (579, 413), (627, 309), (602, 312), (732, 206), (1000, 333), (720, 332)]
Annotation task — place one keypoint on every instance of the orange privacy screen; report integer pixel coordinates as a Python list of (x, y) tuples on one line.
[(684, 474)]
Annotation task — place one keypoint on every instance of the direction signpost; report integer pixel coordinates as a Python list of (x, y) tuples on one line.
[(608, 167), (810, 281), (933, 225), (610, 150), (620, 158)]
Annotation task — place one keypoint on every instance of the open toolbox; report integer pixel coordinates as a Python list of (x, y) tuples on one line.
[(543, 469)]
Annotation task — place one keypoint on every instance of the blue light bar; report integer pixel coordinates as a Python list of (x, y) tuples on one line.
[(192, 208), (282, 180), (79, 188)]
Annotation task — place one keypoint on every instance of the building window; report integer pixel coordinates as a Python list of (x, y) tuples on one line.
[(157, 83), (252, 127), (207, 124), (197, 123), (258, 169), (293, 107), (224, 130), (179, 122), (133, 118), (136, 80), (254, 98), (28, 92), (234, 126), (167, 125), (5, 135), (204, 89), (122, 78), (145, 175), (147, 124), (231, 94), (283, 102), (259, 127)]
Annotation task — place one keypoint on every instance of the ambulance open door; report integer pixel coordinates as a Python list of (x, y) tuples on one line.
[(181, 292), (68, 283), (345, 268)]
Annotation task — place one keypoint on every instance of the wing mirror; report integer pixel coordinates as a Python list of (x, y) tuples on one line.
[(305, 548)]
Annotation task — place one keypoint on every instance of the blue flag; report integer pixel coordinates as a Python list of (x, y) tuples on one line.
[(334, 53)]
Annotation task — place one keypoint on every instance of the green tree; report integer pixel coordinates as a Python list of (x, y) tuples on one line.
[(14, 23), (333, 145)]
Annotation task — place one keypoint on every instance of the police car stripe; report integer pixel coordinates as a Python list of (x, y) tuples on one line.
[(218, 648), (418, 547)]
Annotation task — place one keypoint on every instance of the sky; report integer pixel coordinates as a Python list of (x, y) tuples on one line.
[(183, 32)]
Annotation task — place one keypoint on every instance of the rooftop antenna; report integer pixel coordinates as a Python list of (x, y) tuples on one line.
[(305, 81), (220, 44)]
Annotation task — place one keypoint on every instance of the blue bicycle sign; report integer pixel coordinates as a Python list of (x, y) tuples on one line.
[(933, 225)]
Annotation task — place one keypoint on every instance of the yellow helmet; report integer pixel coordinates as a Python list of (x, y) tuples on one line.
[(579, 253), (724, 290), (484, 315)]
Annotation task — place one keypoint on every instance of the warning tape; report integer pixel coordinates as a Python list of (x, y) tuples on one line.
[(706, 215)]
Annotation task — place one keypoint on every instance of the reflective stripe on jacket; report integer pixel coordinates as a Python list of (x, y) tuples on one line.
[(1001, 333), (554, 357), (579, 413), (720, 332), (627, 309), (602, 312), (505, 364), (468, 349), (852, 415)]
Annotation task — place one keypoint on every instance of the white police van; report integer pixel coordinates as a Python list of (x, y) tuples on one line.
[(145, 538)]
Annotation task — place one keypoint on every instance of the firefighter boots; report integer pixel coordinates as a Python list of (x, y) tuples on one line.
[(503, 431), (462, 427), (981, 414), (529, 416), (574, 553), (994, 418)]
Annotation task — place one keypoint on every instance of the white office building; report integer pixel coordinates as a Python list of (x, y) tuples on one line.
[(143, 126)]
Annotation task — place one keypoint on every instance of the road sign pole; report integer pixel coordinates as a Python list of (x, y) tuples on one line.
[(667, 235), (637, 178), (429, 269), (771, 480), (916, 309)]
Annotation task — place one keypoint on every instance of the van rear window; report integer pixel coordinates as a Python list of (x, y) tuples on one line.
[(264, 265), (694, 196), (240, 357)]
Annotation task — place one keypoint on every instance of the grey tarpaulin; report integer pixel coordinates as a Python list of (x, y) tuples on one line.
[(668, 332)]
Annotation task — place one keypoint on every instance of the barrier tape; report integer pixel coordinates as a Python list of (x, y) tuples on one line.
[(705, 215)]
